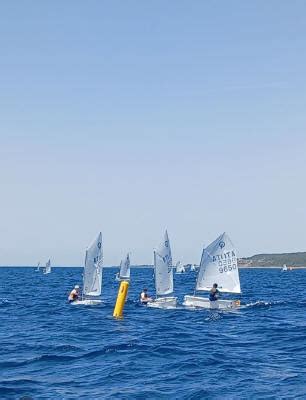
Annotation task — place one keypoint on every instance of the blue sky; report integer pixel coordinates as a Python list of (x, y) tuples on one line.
[(132, 117)]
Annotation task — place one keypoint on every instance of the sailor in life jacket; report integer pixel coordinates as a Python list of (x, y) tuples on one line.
[(214, 293), (74, 294), (144, 298)]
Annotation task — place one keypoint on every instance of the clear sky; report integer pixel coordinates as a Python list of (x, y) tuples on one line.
[(130, 117)]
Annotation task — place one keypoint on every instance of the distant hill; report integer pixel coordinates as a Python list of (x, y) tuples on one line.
[(273, 260)]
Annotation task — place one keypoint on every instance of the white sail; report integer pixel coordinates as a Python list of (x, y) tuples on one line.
[(219, 265), (179, 267), (125, 271), (48, 267), (163, 268), (92, 282), (38, 267)]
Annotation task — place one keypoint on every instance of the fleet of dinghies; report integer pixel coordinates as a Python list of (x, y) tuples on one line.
[(219, 265)]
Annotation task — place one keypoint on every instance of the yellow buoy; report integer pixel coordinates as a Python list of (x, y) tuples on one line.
[(122, 293)]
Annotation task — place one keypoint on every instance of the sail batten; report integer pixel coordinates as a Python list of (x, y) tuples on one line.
[(92, 283), (219, 265), (163, 268)]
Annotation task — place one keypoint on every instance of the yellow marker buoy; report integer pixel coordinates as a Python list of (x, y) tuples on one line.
[(122, 293)]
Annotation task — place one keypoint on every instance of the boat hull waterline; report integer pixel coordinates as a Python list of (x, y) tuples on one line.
[(202, 302), (86, 302), (163, 302)]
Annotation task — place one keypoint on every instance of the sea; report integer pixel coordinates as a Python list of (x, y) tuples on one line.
[(53, 350)]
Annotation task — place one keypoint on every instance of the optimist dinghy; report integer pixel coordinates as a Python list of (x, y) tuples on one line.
[(163, 273), (218, 265), (92, 276), (47, 269), (125, 270), (284, 269), (179, 268)]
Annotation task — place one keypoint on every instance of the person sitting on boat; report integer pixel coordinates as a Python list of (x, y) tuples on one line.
[(214, 293), (144, 298), (74, 294)]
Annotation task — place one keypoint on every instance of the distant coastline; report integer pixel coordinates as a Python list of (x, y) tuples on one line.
[(292, 260), (243, 263)]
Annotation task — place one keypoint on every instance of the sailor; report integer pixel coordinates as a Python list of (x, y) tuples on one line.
[(144, 298), (74, 294), (214, 293)]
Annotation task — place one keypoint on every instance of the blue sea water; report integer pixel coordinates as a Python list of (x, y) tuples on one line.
[(52, 350)]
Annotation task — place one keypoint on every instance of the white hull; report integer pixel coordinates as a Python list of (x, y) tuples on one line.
[(202, 302), (163, 302), (86, 302)]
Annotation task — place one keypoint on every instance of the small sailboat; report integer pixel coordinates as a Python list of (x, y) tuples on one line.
[(38, 267), (47, 269), (163, 273), (284, 269), (218, 265), (125, 271), (179, 268), (92, 276), (193, 268)]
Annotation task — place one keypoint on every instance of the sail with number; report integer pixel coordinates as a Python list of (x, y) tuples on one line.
[(125, 271), (92, 280), (163, 268), (219, 265)]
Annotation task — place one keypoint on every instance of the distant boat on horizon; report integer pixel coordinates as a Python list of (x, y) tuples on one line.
[(47, 269), (125, 271), (179, 268)]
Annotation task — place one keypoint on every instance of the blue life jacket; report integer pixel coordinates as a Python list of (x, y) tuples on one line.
[(213, 296)]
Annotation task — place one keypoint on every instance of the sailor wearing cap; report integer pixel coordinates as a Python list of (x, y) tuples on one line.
[(144, 297), (74, 294)]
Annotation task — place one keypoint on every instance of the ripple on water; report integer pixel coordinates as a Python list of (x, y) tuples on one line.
[(52, 350)]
